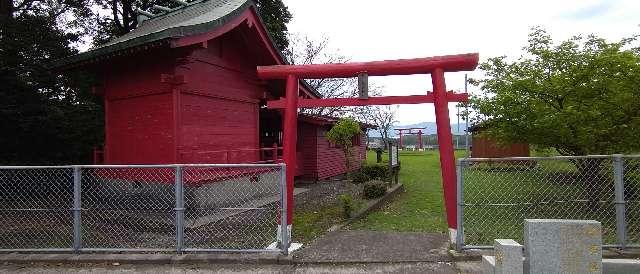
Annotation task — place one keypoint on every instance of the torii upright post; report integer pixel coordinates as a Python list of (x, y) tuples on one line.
[(445, 144), (420, 140), (290, 139), (436, 66)]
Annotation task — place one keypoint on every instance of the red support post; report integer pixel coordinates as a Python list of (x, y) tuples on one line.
[(290, 139), (420, 139), (445, 143)]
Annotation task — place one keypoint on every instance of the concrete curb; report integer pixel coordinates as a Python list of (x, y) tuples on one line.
[(348, 262), (476, 254), (370, 206), (137, 258)]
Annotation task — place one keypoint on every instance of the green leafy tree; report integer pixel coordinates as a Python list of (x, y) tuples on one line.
[(276, 16), (45, 118), (580, 96), (342, 134)]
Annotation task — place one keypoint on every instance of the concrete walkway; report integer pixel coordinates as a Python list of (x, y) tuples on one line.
[(335, 252), (419, 267), (373, 247)]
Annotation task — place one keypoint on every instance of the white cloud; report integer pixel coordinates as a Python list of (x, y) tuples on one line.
[(368, 30)]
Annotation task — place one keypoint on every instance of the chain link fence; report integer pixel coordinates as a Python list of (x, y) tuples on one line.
[(145, 208), (495, 195)]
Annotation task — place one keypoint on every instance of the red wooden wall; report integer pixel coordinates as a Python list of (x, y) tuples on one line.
[(483, 147), (209, 115), (138, 111), (323, 159), (215, 109), (219, 103)]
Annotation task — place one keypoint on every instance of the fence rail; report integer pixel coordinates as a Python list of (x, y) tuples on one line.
[(143, 208), (495, 195)]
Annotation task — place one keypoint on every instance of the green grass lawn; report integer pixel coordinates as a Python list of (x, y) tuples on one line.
[(549, 189), (498, 196), (310, 224), (420, 208)]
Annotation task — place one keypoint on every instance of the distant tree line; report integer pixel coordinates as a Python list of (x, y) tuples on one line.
[(429, 140)]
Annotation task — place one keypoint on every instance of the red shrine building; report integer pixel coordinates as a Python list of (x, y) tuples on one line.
[(182, 88)]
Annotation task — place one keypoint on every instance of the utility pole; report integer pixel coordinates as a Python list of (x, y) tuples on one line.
[(466, 120), (458, 124)]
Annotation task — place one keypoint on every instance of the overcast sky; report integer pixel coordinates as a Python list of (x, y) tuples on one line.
[(368, 30)]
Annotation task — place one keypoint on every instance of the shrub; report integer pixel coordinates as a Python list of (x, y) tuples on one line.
[(342, 134), (374, 189), (376, 172), (347, 204), (359, 177)]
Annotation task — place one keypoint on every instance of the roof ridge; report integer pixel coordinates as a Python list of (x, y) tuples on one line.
[(173, 10)]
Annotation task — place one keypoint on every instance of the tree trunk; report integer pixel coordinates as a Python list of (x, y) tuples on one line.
[(347, 159), (6, 9)]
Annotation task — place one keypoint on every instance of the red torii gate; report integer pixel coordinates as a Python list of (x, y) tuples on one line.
[(419, 133), (436, 66)]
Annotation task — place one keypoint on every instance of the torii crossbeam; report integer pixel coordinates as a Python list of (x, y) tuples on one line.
[(436, 66)]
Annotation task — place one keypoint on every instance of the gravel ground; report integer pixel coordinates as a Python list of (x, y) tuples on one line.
[(136, 228), (322, 193)]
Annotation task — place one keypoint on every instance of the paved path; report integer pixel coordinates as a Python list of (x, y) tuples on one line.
[(336, 252), (372, 246), (418, 267)]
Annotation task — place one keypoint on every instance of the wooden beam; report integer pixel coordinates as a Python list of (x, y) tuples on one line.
[(448, 63), (383, 100)]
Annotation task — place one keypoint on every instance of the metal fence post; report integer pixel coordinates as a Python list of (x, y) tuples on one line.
[(284, 231), (459, 205), (618, 178), (179, 210), (77, 207)]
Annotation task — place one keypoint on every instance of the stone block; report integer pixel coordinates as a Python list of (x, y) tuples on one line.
[(563, 246), (508, 256), (488, 264)]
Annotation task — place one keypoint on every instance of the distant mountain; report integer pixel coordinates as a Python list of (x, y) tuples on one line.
[(431, 129)]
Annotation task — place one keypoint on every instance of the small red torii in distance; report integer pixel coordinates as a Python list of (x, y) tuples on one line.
[(436, 66), (419, 133)]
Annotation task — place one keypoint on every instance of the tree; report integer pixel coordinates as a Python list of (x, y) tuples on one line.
[(579, 97), (276, 16), (304, 50), (342, 134), (122, 18), (45, 118), (383, 117)]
